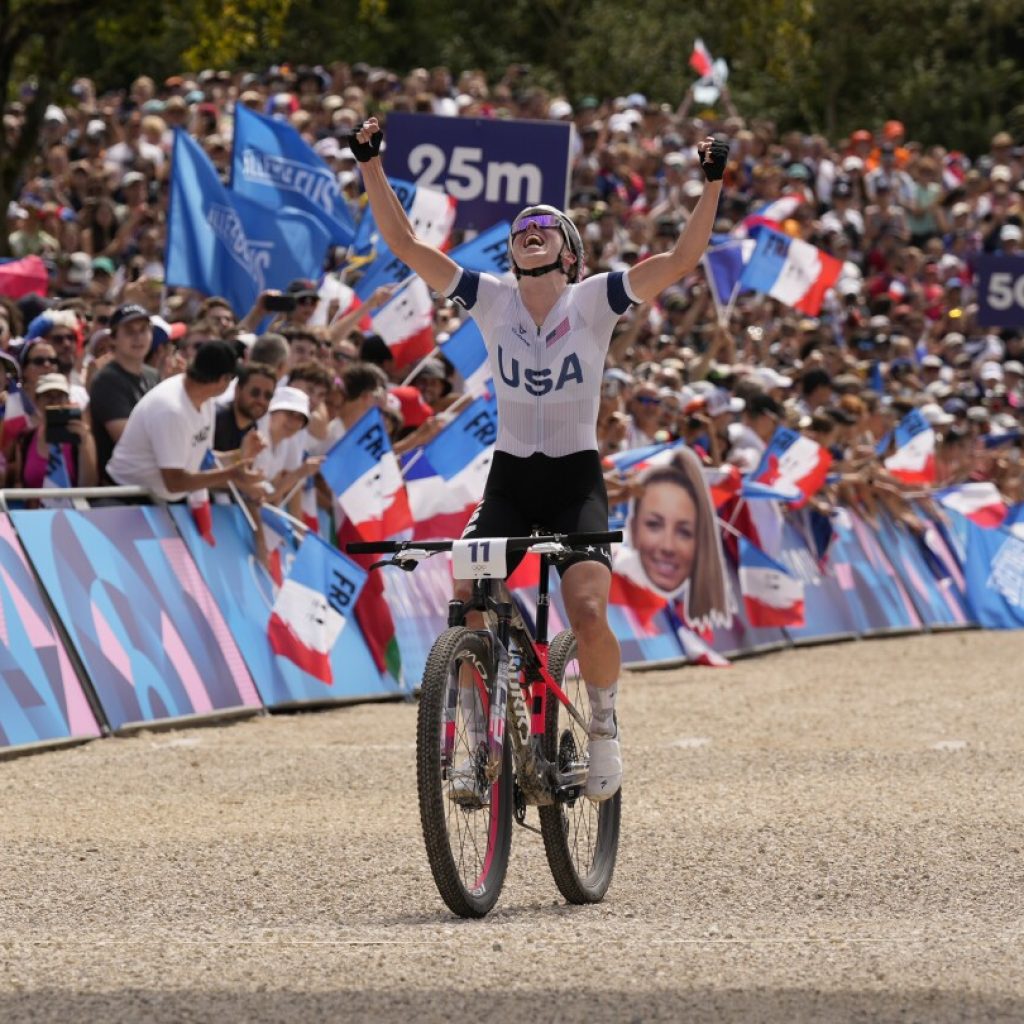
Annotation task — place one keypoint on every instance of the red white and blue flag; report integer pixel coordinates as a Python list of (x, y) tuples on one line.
[(913, 462), (793, 468), (700, 58), (446, 480), (406, 323), (556, 334), (771, 596), (430, 211), (790, 270), (17, 410), (362, 471), (980, 502), (313, 605), (466, 351), (280, 540), (770, 215)]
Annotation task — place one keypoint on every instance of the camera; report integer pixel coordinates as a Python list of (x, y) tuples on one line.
[(279, 303), (57, 420)]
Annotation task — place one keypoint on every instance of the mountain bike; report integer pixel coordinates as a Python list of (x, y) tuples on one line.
[(502, 725)]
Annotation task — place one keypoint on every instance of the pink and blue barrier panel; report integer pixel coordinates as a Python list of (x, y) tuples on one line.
[(120, 617)]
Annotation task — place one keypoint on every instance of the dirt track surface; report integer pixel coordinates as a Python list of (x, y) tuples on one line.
[(827, 834)]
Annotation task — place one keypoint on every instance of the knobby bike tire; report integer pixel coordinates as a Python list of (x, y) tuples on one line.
[(452, 833), (581, 839)]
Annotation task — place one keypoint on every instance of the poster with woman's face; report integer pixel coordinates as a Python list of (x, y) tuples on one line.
[(672, 549)]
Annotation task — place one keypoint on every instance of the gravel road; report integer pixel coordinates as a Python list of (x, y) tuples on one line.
[(826, 834)]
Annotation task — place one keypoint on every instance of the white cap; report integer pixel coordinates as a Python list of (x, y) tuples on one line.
[(1010, 233), (1001, 173), (720, 401), (932, 362), (934, 416), (328, 148), (52, 382), (558, 109), (1013, 366), (991, 371), (288, 399), (770, 379)]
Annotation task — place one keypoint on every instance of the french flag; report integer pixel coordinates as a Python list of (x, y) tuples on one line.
[(447, 479), (771, 596), (724, 483), (56, 468), (793, 468), (466, 351), (790, 270), (980, 502), (636, 460), (406, 323), (700, 59), (913, 462), (362, 471), (199, 504), (771, 216), (16, 415), (313, 605), (631, 588), (280, 540)]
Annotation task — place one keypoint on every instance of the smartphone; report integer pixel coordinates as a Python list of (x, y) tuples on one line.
[(57, 420), (279, 303)]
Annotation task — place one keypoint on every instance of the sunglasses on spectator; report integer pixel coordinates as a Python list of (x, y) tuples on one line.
[(57, 339), (306, 300), (41, 361), (537, 220), (342, 357), (267, 393), (648, 400)]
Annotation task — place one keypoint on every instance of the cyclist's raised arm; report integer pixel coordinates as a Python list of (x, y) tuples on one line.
[(651, 277), (431, 264)]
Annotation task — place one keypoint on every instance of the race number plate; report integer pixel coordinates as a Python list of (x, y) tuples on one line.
[(480, 559)]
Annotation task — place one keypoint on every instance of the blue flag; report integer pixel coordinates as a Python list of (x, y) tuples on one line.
[(487, 253), (223, 244), (466, 351), (367, 238), (994, 570), (387, 268), (272, 165), (473, 431), (725, 265)]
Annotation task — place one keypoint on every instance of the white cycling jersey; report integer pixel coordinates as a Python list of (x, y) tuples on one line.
[(547, 379)]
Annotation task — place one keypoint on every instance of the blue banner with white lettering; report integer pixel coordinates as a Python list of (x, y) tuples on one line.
[(493, 168), (272, 165), (221, 243), (1000, 290), (994, 569)]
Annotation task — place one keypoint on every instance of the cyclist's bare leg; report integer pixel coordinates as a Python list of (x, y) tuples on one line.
[(585, 588)]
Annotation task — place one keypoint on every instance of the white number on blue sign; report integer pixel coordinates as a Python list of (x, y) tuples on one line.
[(468, 177)]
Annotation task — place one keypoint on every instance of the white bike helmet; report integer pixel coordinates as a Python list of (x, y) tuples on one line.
[(569, 233)]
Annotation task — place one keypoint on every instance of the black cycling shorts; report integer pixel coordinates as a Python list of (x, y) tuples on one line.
[(557, 495)]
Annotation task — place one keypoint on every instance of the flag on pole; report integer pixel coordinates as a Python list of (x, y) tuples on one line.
[(724, 265), (280, 540), (313, 605), (430, 211), (272, 164), (221, 243), (790, 270), (16, 414), (56, 468), (771, 596), (793, 468), (362, 471), (406, 323), (700, 58), (913, 462), (487, 253), (980, 502)]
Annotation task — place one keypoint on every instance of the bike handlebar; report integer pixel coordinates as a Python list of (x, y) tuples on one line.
[(569, 540)]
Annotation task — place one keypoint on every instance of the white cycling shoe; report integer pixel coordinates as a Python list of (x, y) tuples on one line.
[(604, 776)]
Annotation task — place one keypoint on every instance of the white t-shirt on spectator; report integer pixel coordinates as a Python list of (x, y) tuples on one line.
[(289, 454), (746, 448), (164, 431)]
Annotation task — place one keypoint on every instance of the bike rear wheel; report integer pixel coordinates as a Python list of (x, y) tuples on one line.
[(467, 823), (581, 838)]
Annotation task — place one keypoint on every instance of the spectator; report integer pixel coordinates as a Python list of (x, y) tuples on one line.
[(119, 386), (170, 430), (254, 390), (283, 462), (43, 462)]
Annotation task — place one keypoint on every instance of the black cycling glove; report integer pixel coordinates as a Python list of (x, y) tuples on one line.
[(713, 163), (364, 151)]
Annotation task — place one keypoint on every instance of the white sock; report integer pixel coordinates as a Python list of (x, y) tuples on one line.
[(469, 703), (602, 709)]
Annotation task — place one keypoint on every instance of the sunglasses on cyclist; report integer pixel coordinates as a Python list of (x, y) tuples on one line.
[(535, 220)]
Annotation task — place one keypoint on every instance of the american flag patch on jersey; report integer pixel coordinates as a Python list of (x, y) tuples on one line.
[(558, 333)]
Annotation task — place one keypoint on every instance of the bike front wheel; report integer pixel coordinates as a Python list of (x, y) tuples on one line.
[(581, 838), (466, 819)]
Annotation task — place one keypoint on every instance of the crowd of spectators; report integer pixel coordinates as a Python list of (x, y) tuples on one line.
[(898, 332)]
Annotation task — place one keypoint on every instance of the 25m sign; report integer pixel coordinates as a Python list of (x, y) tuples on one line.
[(1000, 291), (493, 168)]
